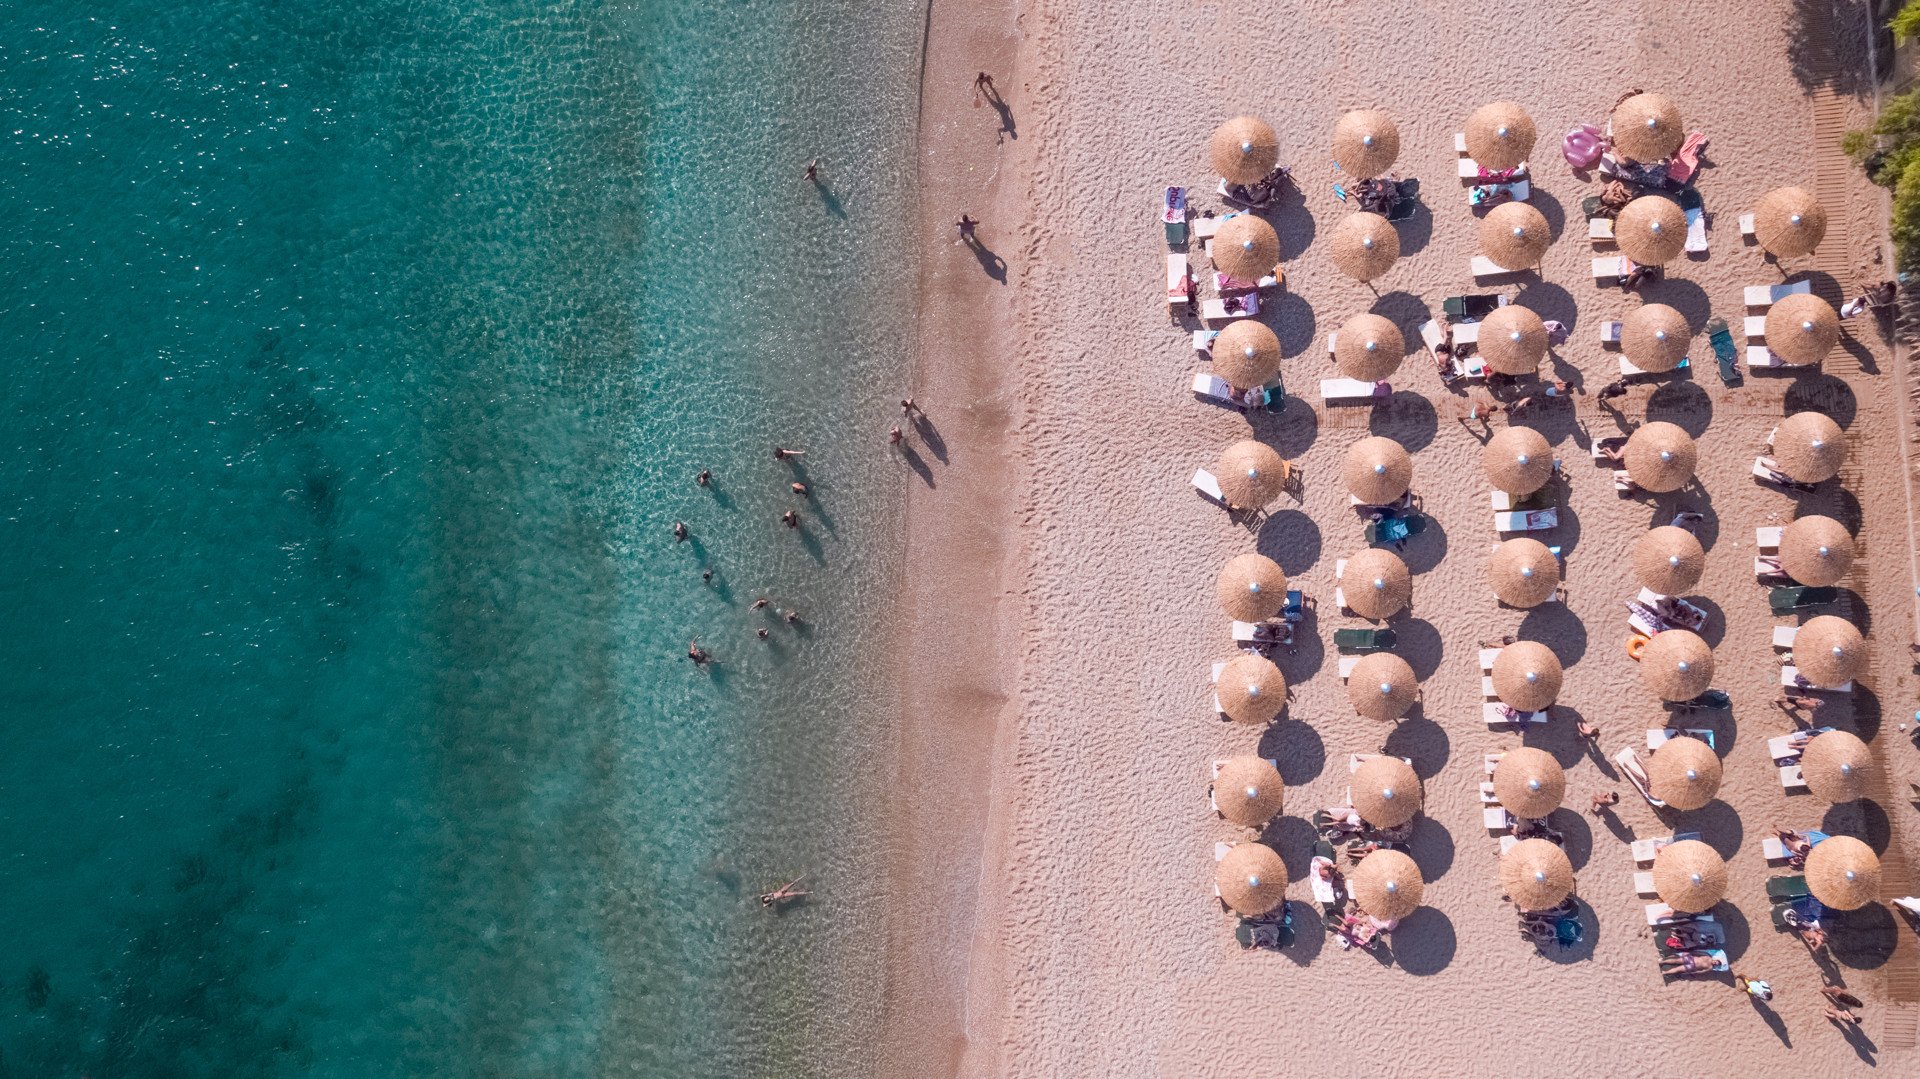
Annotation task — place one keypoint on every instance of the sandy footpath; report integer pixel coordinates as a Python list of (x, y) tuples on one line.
[(1060, 573)]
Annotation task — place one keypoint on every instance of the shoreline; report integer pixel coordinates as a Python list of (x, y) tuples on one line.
[(960, 612)]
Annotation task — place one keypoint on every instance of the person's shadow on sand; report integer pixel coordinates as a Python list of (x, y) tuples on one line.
[(995, 266)]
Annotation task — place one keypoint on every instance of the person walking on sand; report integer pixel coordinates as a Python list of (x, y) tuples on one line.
[(907, 407), (813, 171), (1753, 987), (1616, 388), (781, 453), (966, 225), (1604, 802), (983, 87), (1587, 730), (1840, 997)]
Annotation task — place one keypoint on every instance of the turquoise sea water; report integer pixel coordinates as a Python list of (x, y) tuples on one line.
[(355, 360)]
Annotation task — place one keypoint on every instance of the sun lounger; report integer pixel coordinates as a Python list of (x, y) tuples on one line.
[(1225, 309), (1631, 767), (1227, 286), (1179, 281), (1209, 486), (1203, 343), (1782, 750), (1204, 227), (1661, 914), (1526, 520), (1491, 761), (1774, 850), (1610, 332), (1323, 892), (1767, 470), (1763, 357), (1610, 268), (1794, 597), (1658, 738), (1487, 796), (1496, 819), (1627, 368), (1482, 266), (1474, 306), (1767, 539), (1216, 390), (1339, 593), (1764, 571), (1507, 842), (1643, 884), (1696, 222), (1783, 637), (1790, 678), (1791, 779), (1768, 295), (1262, 632), (1362, 641), (1486, 688), (1499, 715), (1600, 230), (1674, 609), (1173, 214), (1721, 339), (1645, 849), (1755, 327), (1487, 656), (1492, 194), (1787, 889), (1349, 391), (1746, 227), (1347, 663), (1720, 965)]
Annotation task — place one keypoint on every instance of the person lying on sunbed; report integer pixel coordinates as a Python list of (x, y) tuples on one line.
[(1536, 828), (1683, 938), (1687, 963), (1769, 563), (1611, 449)]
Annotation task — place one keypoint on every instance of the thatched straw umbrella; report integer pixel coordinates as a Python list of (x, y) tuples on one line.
[(1518, 460), (1248, 790), (1246, 248), (1377, 584), (1386, 791), (1802, 328), (1387, 885), (1382, 687), (1843, 873), (1677, 665), (1365, 245), (1523, 572), (1809, 447), (1689, 876), (1684, 772), (1251, 474), (1377, 470), (1251, 587), (1536, 874), (1365, 143), (1515, 236), (1246, 354), (1368, 347), (1651, 229), (1252, 879), (1829, 651), (1655, 337), (1816, 550), (1836, 766), (1251, 689), (1526, 675), (1660, 456), (1647, 128), (1668, 560), (1529, 782), (1789, 222), (1513, 340), (1500, 135), (1243, 150)]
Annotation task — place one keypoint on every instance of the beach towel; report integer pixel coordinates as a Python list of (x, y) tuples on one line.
[(1686, 161)]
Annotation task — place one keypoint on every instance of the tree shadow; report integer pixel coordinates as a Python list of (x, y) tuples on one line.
[(1292, 539), (1419, 643), (1553, 625), (1421, 741), (1407, 418), (1683, 404), (1425, 943), (1298, 749)]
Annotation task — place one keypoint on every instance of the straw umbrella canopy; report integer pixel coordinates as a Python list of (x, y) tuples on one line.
[(1668, 560), (1365, 142), (1378, 470), (1382, 687), (1655, 337), (1365, 245), (1816, 550), (1246, 354), (1651, 229), (1252, 879), (1689, 876), (1246, 248), (1251, 474), (1536, 874), (1789, 222), (1515, 235), (1529, 782), (1248, 790), (1368, 347), (1829, 651), (1523, 572), (1513, 340), (1526, 675), (1684, 772), (1386, 791), (1835, 766), (1660, 456), (1646, 127), (1387, 884), (1377, 584), (1802, 328), (1243, 150), (1251, 689), (1677, 665), (1843, 873), (1518, 460), (1809, 447), (1251, 587), (1499, 135)]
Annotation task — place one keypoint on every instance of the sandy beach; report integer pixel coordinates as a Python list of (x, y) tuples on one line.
[(1057, 730)]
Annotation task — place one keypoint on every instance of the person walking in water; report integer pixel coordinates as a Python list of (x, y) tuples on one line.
[(894, 436), (679, 531), (790, 519), (698, 654), (813, 171), (704, 479), (800, 489)]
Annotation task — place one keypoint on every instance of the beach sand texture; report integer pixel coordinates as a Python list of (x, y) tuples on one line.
[(1096, 946)]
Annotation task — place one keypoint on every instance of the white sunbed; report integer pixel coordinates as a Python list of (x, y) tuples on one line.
[(1764, 357), (1600, 230), (1206, 385), (1610, 332), (1348, 391), (1631, 767), (1696, 231), (1773, 849), (1765, 571), (1789, 672), (1526, 520), (1496, 819), (1460, 142), (1791, 779), (1487, 797), (1205, 227), (1507, 842), (1347, 664), (1660, 737), (1783, 637), (1518, 191), (1209, 486), (1680, 369), (1644, 850), (1179, 281), (1767, 470), (1499, 715), (1767, 539), (1755, 327), (1224, 309), (1643, 884), (1339, 594), (1323, 892), (1355, 760), (1781, 749), (1492, 761), (1224, 284), (1482, 266), (1768, 295), (1487, 656), (1610, 268), (1203, 343), (1486, 688), (1661, 914), (1746, 226)]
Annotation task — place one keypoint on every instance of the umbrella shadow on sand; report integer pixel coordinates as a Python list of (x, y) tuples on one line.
[(1424, 944)]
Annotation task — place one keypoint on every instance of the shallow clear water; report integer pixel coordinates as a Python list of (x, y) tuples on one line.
[(358, 358)]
